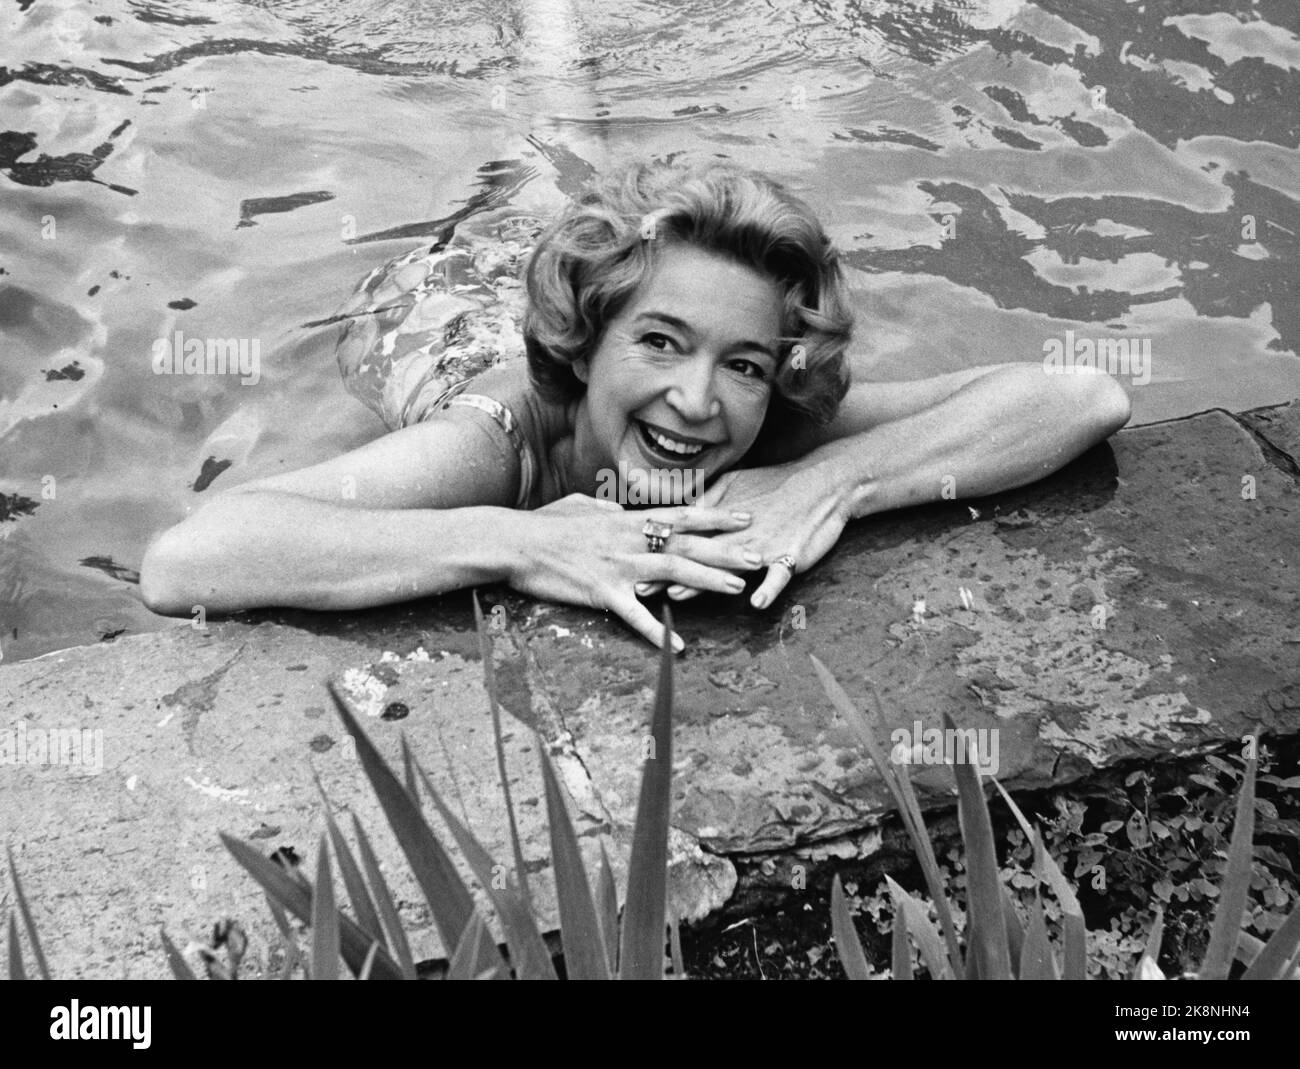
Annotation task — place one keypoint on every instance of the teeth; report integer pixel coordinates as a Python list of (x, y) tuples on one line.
[(674, 447)]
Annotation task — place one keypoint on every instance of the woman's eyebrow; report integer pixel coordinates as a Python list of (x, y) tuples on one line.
[(685, 328)]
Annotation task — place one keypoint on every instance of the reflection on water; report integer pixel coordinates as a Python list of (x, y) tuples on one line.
[(999, 172)]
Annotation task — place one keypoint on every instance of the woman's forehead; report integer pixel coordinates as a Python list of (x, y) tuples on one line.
[(702, 287)]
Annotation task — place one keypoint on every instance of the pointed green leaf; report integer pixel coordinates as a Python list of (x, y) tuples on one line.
[(1271, 962), (32, 937), (922, 932), (528, 953), (475, 946), (175, 959), (362, 906), (1248, 948), (408, 775), (392, 923), (900, 948), (987, 937), (675, 945), (450, 902), (584, 947), (290, 893), (369, 963), (641, 955), (607, 893), (1074, 934), (324, 920), (924, 849), (16, 970), (1037, 962), (1015, 931), (489, 681), (1147, 967), (293, 956), (1226, 930), (900, 786), (847, 943)]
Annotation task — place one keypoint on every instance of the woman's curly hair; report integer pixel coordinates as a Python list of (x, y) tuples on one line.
[(589, 262)]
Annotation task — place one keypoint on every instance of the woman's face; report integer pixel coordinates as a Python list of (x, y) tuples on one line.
[(683, 374)]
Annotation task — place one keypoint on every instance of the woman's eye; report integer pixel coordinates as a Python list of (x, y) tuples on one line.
[(659, 342), (750, 369)]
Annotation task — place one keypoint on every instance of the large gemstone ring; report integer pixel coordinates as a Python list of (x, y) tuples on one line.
[(656, 534)]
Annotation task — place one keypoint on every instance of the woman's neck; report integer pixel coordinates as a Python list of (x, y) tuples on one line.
[(570, 467)]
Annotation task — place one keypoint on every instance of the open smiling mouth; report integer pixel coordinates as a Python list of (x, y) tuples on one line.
[(664, 446)]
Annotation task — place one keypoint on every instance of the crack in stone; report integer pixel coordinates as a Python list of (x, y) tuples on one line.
[(197, 696), (701, 879), (568, 755), (1272, 452)]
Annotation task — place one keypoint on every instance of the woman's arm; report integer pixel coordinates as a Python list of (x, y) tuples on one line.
[(417, 513), (964, 435), (961, 435)]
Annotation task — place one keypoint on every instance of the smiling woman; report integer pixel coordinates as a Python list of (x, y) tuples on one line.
[(679, 318)]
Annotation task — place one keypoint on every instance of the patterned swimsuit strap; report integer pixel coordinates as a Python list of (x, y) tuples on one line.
[(505, 419)]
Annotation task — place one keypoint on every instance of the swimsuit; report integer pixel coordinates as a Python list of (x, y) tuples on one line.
[(420, 328), (505, 419)]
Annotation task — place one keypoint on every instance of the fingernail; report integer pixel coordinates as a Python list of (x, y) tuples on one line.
[(736, 583), (678, 644), (754, 559), (759, 601), (743, 517)]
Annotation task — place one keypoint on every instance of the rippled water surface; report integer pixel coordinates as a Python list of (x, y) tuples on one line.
[(999, 172)]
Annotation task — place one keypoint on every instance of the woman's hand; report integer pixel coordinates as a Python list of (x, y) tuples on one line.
[(590, 552), (797, 513)]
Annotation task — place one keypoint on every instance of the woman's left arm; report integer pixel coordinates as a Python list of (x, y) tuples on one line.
[(892, 445)]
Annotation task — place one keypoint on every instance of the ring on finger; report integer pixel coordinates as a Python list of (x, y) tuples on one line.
[(786, 561), (656, 534)]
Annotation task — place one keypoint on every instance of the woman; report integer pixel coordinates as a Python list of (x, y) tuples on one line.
[(685, 329)]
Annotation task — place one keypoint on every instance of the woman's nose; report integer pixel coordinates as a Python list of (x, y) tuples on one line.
[(691, 394)]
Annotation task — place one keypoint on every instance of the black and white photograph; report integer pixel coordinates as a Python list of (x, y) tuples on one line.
[(551, 489)]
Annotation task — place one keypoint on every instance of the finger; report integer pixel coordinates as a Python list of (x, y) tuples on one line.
[(694, 518), (777, 578), (683, 593), (716, 552), (674, 569), (648, 590), (643, 622)]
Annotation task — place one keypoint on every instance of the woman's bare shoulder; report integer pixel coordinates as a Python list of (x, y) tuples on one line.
[(512, 386)]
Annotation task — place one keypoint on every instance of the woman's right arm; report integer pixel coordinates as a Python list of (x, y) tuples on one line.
[(413, 513)]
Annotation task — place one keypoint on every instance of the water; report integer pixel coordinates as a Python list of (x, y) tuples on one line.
[(999, 172)]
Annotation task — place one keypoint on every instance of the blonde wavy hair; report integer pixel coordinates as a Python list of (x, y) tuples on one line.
[(589, 262)]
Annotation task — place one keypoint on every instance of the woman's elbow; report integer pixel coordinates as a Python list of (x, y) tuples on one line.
[(161, 576), (1104, 404), (1113, 407)]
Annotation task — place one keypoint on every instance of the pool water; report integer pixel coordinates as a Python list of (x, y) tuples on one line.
[(999, 173)]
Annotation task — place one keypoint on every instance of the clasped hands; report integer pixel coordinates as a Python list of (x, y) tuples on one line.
[(591, 552), (796, 519)]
